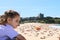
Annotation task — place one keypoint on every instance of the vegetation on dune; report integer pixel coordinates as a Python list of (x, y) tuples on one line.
[(41, 19)]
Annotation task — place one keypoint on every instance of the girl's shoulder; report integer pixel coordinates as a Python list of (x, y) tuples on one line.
[(2, 26)]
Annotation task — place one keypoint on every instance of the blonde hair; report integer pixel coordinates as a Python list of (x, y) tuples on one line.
[(8, 14)]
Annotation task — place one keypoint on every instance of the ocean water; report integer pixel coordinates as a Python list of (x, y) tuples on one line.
[(55, 26)]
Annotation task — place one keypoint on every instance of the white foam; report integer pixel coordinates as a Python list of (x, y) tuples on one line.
[(54, 26)]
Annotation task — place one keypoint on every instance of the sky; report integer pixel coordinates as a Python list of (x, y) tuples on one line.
[(30, 8)]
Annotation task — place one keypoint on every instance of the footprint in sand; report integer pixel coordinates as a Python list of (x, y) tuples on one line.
[(43, 37)]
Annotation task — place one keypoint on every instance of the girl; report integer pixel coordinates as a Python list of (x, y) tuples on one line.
[(8, 22)]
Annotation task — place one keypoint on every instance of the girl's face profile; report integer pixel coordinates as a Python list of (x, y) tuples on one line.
[(15, 21)]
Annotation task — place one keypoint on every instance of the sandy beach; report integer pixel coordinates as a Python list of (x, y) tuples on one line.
[(38, 31)]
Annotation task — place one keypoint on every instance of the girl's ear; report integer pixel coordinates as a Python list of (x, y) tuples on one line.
[(9, 20)]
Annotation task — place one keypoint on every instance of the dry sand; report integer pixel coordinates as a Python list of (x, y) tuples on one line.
[(38, 31)]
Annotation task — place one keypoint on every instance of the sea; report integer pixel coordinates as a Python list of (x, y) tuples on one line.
[(55, 26)]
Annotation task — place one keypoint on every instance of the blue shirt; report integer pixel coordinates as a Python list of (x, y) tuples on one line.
[(7, 31)]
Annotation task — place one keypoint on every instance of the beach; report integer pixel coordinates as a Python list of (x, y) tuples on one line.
[(38, 31)]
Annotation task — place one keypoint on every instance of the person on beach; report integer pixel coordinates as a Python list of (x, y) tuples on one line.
[(8, 22)]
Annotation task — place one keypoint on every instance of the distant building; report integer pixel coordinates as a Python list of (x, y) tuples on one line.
[(41, 15)]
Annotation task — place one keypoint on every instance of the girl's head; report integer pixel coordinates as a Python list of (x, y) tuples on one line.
[(10, 17)]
